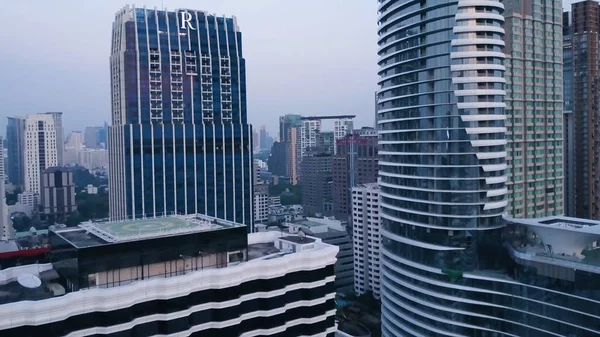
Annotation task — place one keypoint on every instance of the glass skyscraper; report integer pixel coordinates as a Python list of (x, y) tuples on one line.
[(179, 140), (450, 263)]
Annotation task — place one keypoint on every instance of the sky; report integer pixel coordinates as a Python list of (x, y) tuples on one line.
[(310, 57)]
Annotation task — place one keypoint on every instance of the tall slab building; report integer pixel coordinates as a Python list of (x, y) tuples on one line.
[(450, 263), (534, 107), (179, 140)]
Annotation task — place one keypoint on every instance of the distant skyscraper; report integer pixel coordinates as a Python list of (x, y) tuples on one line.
[(341, 128), (366, 238), (90, 137), (15, 143), (179, 140), (582, 99), (277, 161), (568, 122), (60, 136), (317, 177), (6, 229), (285, 123), (534, 108), (263, 137), (356, 162), (41, 150)]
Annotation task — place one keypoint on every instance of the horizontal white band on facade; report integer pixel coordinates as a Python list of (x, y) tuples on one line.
[(495, 205), (468, 42), (396, 175), (488, 142), (480, 105), (429, 214), (472, 29), (479, 118), (477, 3), (475, 54), (411, 242), (494, 167), (429, 202), (464, 16), (480, 130), (477, 79), (410, 188), (478, 66), (496, 193), (477, 92), (491, 155)]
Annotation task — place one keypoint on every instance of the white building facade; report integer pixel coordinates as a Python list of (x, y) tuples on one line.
[(40, 148), (366, 238)]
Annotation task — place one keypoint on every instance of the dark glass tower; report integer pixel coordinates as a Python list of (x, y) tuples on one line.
[(179, 140)]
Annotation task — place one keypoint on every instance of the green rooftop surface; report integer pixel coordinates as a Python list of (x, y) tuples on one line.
[(145, 226)]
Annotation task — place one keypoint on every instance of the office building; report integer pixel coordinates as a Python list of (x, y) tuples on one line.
[(285, 123), (184, 145), (57, 195), (355, 162), (366, 239), (40, 149), (93, 158), (308, 134), (29, 198), (277, 161), (317, 183), (534, 107), (583, 62), (15, 143), (263, 137), (90, 137), (450, 264), (180, 275), (6, 229), (341, 128), (332, 232)]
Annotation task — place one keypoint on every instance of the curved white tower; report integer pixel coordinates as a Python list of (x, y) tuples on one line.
[(442, 163)]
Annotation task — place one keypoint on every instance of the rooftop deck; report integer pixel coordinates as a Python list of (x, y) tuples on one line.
[(98, 233)]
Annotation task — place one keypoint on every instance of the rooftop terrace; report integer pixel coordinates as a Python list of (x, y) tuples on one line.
[(98, 233)]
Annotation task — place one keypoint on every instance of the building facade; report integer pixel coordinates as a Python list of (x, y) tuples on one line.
[(450, 264), (60, 136), (277, 161), (317, 183), (15, 142), (341, 128), (534, 107), (57, 195), (355, 162), (40, 149), (366, 239), (6, 228), (179, 140), (442, 161), (584, 62), (568, 122), (208, 278)]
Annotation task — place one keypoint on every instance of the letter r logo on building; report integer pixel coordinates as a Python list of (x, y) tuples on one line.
[(185, 19)]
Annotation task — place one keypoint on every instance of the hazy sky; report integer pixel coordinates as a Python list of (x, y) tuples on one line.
[(312, 57)]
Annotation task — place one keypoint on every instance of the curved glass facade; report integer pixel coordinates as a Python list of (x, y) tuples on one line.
[(445, 269)]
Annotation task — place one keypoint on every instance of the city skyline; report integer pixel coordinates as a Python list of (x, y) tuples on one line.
[(310, 74)]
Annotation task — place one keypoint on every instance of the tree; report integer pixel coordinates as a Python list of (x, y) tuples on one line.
[(91, 206), (22, 223)]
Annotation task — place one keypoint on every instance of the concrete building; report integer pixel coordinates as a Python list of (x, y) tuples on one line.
[(355, 162), (366, 239), (341, 128), (568, 117), (205, 277), (294, 153), (75, 141), (90, 137), (261, 203), (317, 183), (29, 198), (534, 107), (57, 195)]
